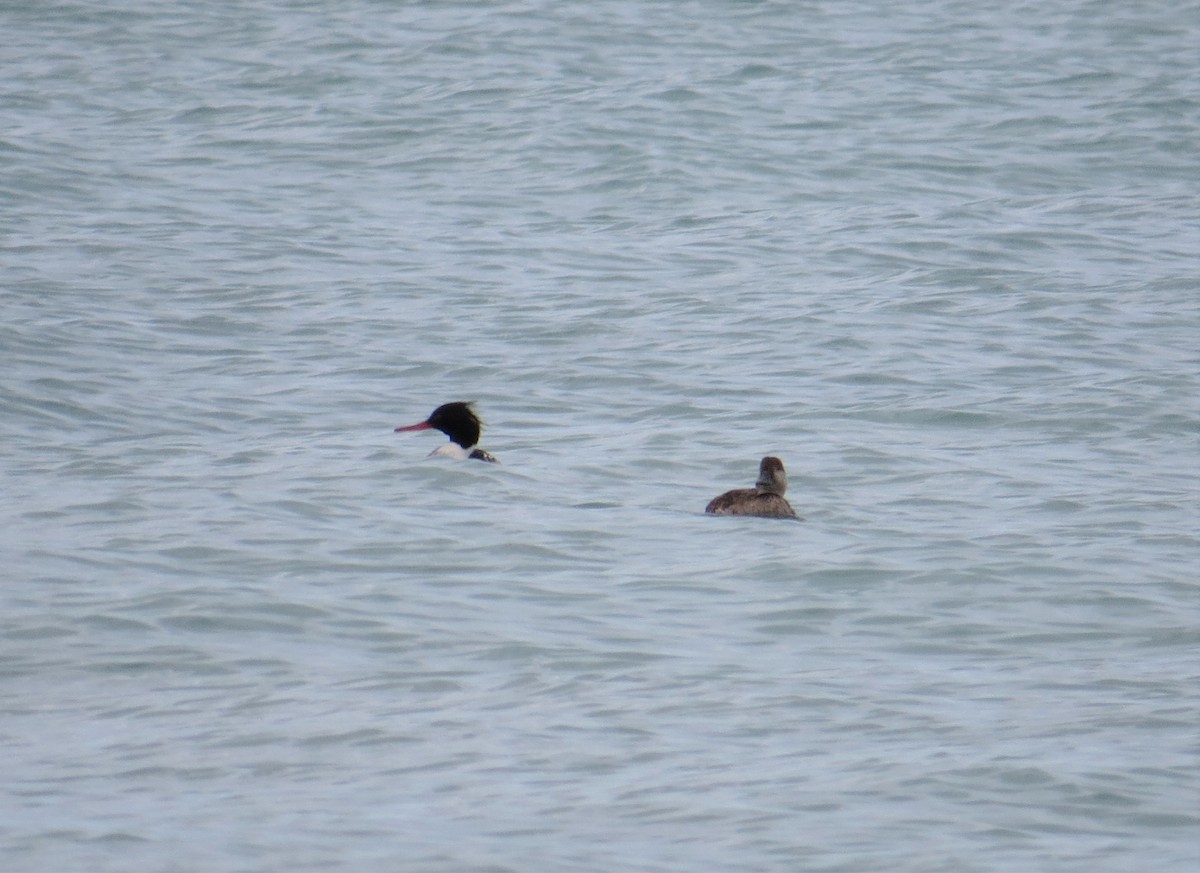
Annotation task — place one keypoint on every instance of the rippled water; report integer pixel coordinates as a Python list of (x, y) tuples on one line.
[(942, 260)]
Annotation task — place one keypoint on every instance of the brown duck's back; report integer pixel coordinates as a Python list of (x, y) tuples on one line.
[(750, 501)]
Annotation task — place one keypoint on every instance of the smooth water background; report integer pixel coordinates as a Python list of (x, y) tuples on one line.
[(942, 259)]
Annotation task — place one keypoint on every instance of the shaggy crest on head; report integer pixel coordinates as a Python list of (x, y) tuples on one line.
[(459, 422), (764, 500)]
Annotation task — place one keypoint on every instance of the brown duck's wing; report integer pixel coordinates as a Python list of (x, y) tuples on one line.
[(731, 502)]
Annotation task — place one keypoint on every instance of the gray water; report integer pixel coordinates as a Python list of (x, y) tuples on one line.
[(943, 260)]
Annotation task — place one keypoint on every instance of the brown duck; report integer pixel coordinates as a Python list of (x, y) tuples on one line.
[(764, 500)]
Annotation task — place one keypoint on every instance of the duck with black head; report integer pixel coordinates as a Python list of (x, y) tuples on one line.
[(459, 422)]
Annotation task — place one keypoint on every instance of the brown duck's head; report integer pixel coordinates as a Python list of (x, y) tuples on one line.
[(771, 477)]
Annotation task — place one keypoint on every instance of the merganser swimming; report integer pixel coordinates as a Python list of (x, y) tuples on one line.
[(459, 422), (765, 499)]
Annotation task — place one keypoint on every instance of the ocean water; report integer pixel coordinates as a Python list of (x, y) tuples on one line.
[(943, 260)]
